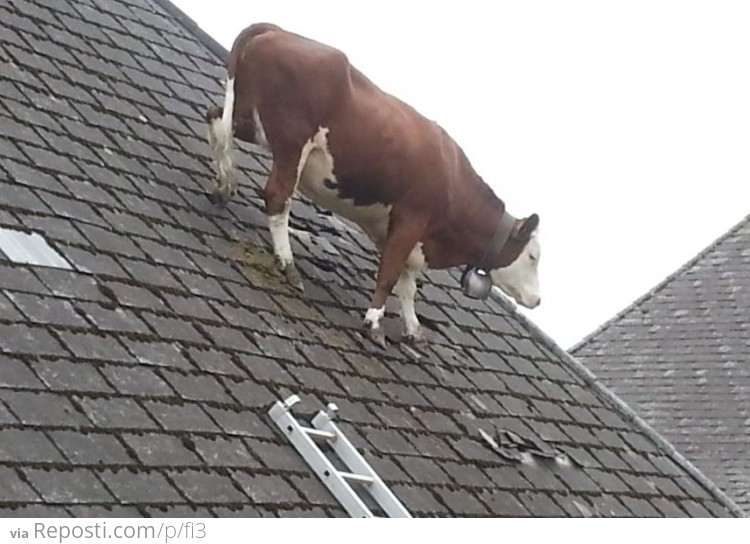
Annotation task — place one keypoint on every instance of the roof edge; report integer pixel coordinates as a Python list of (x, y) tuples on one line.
[(192, 27), (590, 379), (658, 287)]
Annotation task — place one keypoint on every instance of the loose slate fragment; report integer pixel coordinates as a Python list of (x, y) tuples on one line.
[(30, 248)]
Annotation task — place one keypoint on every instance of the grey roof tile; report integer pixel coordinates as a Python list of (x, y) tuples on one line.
[(155, 449), (93, 262), (18, 445), (116, 412), (205, 487), (225, 452), (423, 471), (140, 486), (132, 296), (62, 375), (16, 373), (669, 509), (640, 507), (13, 489), (432, 446), (68, 486), (196, 387), (265, 489), (41, 408), (389, 441), (137, 380), (214, 362), (113, 319), (173, 329), (95, 346), (541, 505), (26, 175), (149, 370), (21, 338), (610, 506), (16, 278), (419, 499), (181, 417), (240, 423), (250, 393), (69, 284), (462, 502), (504, 503), (166, 354), (91, 448), (276, 457)]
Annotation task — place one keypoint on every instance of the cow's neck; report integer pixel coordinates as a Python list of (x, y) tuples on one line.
[(479, 229), (472, 230)]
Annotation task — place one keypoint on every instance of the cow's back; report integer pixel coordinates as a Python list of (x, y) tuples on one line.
[(383, 151)]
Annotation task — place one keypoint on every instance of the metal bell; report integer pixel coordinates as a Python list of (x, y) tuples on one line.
[(476, 283)]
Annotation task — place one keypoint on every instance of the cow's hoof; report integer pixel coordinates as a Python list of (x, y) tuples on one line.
[(377, 335), (220, 197), (293, 277), (415, 338)]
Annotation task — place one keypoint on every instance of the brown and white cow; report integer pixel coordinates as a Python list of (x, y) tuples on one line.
[(364, 154)]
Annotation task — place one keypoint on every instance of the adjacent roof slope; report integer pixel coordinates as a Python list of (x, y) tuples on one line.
[(138, 383), (681, 356)]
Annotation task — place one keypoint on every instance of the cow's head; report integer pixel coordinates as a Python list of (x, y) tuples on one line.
[(519, 278)]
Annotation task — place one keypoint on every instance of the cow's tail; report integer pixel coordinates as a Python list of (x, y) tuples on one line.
[(221, 120), (221, 141)]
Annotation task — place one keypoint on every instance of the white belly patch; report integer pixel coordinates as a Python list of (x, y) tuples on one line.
[(317, 182)]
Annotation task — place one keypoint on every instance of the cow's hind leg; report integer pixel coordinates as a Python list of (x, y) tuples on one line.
[(278, 197), (403, 235)]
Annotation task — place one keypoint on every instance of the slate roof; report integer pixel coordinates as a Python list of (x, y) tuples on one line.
[(138, 383), (681, 356)]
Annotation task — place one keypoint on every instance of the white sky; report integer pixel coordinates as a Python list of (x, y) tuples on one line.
[(625, 125)]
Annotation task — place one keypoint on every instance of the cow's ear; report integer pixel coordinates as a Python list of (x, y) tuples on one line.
[(531, 224), (524, 228)]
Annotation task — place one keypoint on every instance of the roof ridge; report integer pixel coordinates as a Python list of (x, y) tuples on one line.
[(193, 28), (608, 396), (658, 287)]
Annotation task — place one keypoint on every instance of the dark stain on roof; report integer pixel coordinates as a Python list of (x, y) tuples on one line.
[(173, 335)]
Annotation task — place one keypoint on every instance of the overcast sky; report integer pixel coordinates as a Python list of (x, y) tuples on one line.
[(625, 125)]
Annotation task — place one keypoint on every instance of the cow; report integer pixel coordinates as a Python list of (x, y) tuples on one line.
[(364, 154)]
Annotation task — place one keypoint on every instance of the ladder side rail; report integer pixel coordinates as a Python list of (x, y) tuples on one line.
[(357, 464)]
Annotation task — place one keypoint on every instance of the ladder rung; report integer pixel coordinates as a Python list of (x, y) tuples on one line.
[(315, 434), (356, 478)]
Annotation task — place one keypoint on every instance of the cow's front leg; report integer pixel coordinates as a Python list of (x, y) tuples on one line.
[(403, 235), (406, 290), (278, 197)]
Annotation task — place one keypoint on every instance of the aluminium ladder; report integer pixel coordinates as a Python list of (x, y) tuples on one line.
[(340, 483)]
